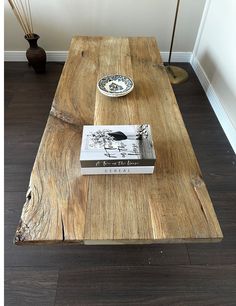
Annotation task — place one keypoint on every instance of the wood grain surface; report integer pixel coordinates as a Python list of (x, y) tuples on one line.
[(172, 205)]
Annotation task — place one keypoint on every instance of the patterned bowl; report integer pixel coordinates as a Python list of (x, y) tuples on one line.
[(115, 85)]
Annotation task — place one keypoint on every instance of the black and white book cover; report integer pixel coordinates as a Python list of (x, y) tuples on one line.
[(117, 146)]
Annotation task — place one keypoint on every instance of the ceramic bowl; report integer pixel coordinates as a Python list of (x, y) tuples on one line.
[(115, 85)]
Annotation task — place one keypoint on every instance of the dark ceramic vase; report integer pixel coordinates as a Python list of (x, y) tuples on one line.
[(36, 55)]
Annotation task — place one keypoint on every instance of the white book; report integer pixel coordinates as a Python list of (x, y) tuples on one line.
[(125, 147), (117, 170)]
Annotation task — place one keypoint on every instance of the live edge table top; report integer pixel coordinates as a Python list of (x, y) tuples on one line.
[(172, 205)]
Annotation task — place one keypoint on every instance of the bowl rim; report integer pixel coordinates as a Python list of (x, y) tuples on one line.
[(110, 94)]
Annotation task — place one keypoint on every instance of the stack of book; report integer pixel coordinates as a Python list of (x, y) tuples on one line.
[(117, 149)]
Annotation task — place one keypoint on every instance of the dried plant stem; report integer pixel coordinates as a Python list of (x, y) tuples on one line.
[(17, 16), (25, 17), (29, 14), (16, 9), (22, 11)]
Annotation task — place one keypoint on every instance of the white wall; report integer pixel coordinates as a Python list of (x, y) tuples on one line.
[(215, 61), (56, 21)]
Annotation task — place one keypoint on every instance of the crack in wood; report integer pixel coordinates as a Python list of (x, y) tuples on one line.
[(28, 194), (197, 181), (63, 229), (23, 228), (197, 184), (65, 118), (161, 66), (20, 232)]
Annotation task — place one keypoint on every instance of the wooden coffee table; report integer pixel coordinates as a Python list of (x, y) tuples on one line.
[(170, 206)]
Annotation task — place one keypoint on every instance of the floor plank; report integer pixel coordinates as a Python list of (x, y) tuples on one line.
[(27, 286), (143, 285)]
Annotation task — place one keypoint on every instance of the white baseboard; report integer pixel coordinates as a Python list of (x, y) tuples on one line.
[(57, 56), (60, 56), (183, 57), (201, 26), (19, 56), (215, 102), (15, 56)]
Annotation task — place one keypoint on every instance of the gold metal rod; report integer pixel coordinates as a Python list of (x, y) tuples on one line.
[(173, 32), (176, 74)]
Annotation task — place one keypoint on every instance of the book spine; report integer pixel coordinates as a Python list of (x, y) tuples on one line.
[(116, 163), (117, 170)]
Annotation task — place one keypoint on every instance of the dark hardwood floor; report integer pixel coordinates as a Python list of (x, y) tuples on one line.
[(191, 274)]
